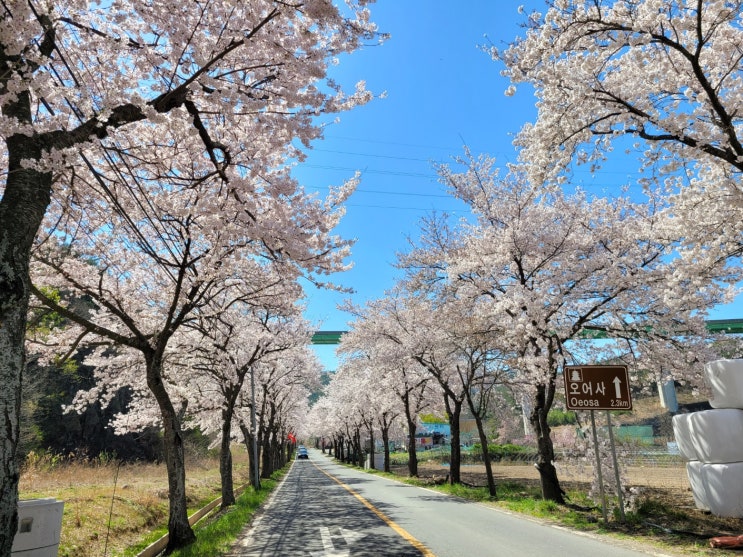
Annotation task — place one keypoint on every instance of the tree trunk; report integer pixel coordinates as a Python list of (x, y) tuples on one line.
[(12, 362), (371, 449), (551, 490), (455, 466), (248, 440), (180, 533), (386, 443), (412, 428), (360, 453), (478, 413), (22, 207), (412, 449), (266, 456), (225, 460), (275, 451), (486, 456)]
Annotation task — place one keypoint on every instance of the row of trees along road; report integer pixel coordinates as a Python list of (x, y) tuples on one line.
[(186, 114), (538, 273), (147, 145), (505, 302)]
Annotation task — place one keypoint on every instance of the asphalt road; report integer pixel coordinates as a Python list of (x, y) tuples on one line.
[(323, 509)]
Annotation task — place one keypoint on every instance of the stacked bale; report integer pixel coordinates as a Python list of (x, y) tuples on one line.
[(711, 441)]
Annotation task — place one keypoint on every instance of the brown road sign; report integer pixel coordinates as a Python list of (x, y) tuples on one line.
[(597, 388)]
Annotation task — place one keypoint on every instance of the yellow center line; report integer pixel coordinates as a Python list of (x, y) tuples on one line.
[(388, 521)]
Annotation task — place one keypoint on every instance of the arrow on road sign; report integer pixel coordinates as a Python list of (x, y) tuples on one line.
[(618, 387), (329, 549)]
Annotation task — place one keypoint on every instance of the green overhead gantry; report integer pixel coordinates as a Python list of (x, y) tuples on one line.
[(729, 326), (327, 337)]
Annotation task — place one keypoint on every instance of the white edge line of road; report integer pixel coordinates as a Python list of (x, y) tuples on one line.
[(247, 538)]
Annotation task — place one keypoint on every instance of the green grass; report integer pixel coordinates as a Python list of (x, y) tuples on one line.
[(149, 539), (216, 535)]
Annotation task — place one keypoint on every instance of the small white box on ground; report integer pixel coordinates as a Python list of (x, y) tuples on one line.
[(39, 528)]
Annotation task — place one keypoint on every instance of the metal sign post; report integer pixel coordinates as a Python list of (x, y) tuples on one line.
[(598, 466), (616, 466), (600, 388)]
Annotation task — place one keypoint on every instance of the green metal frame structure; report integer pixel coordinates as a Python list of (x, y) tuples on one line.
[(728, 326), (327, 337)]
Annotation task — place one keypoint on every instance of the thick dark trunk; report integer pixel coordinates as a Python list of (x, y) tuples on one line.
[(371, 449), (412, 451), (386, 443), (412, 428), (360, 452), (180, 533), (248, 440), (266, 456), (22, 207), (486, 457), (478, 413), (12, 361), (551, 490), (275, 452), (455, 466), (225, 460)]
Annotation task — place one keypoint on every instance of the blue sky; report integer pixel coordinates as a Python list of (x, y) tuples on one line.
[(442, 93)]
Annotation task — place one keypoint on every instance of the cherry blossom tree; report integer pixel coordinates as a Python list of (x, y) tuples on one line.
[(169, 241), (659, 78), (247, 78), (322, 422), (284, 382), (547, 269), (348, 404), (375, 338), (426, 326), (458, 350), (231, 340), (365, 389)]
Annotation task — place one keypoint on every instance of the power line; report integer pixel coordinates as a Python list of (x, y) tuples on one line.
[(383, 192), (395, 157), (383, 172)]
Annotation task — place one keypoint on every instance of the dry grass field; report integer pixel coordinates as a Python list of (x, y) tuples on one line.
[(109, 507)]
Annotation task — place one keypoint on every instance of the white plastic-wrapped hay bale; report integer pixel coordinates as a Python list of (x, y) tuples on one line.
[(725, 380), (684, 437), (724, 488), (717, 435), (698, 488)]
